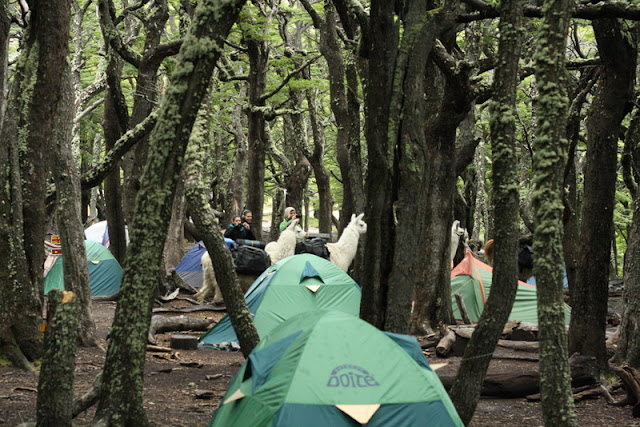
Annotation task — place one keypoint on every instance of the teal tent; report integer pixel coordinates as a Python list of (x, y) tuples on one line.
[(329, 368), (472, 280), (293, 285), (105, 274)]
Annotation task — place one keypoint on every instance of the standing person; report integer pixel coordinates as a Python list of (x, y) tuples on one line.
[(236, 230), (289, 215)]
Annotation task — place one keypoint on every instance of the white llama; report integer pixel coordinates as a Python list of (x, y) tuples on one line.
[(342, 252), (286, 244), (457, 233), (210, 284)]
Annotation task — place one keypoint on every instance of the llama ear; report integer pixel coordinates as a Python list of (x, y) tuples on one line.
[(360, 216), (353, 217)]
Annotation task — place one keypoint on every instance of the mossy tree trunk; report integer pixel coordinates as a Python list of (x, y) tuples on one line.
[(342, 107), (121, 393), (27, 133), (382, 50), (465, 392), (55, 384), (449, 98), (549, 161), (114, 125), (196, 192), (407, 138), (69, 220), (258, 138), (397, 43), (5, 26), (628, 350), (618, 54)]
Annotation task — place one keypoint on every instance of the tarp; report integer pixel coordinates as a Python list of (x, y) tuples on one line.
[(105, 274), (329, 368), (190, 267), (472, 280), (293, 285)]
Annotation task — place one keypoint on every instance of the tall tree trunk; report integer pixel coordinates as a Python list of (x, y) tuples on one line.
[(239, 172), (145, 97), (114, 125), (27, 137), (465, 391), (382, 51), (628, 350), (549, 161), (225, 272), (55, 383), (121, 393), (618, 55), (5, 26), (174, 245), (320, 172), (258, 51), (410, 185), (69, 219), (342, 102)]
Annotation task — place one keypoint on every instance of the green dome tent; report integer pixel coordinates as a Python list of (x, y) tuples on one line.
[(293, 285), (472, 280), (105, 274), (329, 368)]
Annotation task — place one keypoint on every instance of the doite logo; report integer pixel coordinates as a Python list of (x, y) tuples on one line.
[(351, 376)]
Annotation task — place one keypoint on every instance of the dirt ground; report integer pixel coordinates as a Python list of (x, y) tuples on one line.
[(174, 380)]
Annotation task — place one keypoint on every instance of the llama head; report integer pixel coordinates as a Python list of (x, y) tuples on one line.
[(456, 229), (358, 224), (297, 229)]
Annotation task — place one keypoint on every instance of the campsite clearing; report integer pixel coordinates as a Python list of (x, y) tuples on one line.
[(174, 383)]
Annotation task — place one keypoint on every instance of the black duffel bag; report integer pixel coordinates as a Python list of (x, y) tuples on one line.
[(315, 246), (250, 260)]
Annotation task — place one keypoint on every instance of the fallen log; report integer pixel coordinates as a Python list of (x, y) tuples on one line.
[(525, 331), (446, 343), (530, 346), (189, 309), (159, 348), (526, 383), (160, 324)]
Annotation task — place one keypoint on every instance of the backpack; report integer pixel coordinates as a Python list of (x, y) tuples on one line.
[(315, 246), (250, 260)]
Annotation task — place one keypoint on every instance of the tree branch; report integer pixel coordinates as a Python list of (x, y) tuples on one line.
[(286, 79)]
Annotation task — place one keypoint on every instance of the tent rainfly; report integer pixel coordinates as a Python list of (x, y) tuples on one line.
[(329, 368), (472, 280), (99, 232), (105, 274), (293, 285)]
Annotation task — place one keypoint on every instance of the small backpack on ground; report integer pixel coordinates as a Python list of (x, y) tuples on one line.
[(250, 260), (317, 246)]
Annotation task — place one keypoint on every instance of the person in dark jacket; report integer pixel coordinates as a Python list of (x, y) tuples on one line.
[(247, 218), (237, 230)]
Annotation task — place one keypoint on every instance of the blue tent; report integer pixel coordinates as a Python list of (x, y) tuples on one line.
[(190, 268)]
